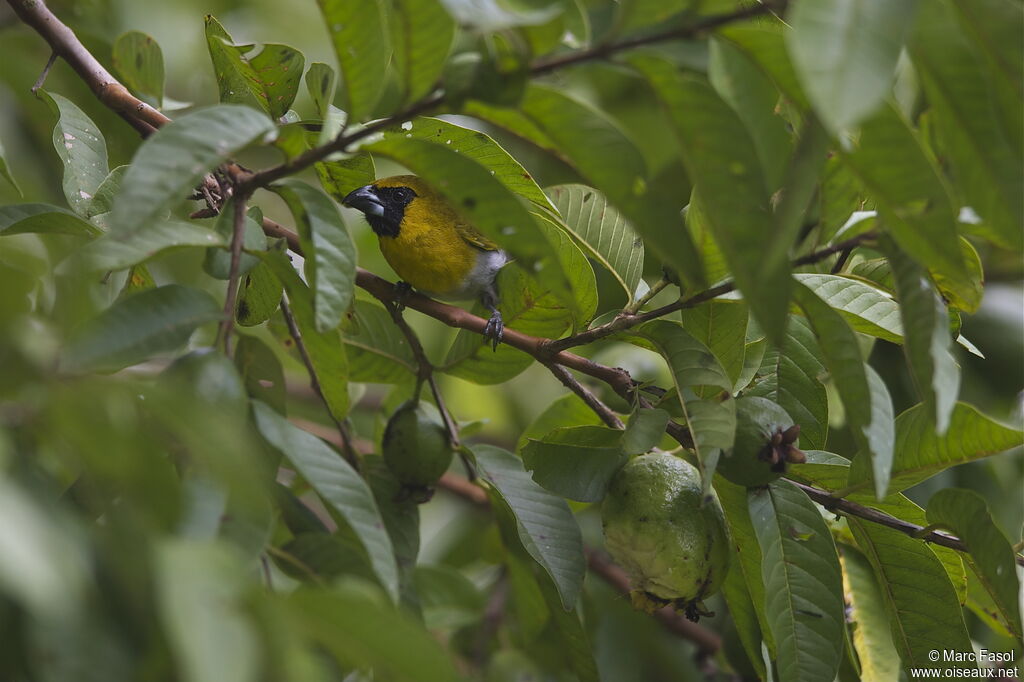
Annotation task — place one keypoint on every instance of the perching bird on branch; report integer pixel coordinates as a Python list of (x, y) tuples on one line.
[(430, 246)]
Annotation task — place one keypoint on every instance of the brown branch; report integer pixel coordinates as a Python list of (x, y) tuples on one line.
[(848, 508), (237, 237), (592, 401)]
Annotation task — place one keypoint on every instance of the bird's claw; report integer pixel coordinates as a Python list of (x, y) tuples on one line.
[(402, 290), (495, 329)]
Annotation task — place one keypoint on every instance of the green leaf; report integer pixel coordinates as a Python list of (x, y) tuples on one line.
[(753, 96), (43, 219), (422, 33), (338, 484), (338, 178), (320, 83), (865, 398), (377, 350), (360, 38), (744, 618), (602, 232), (201, 593), (173, 160), (477, 146), (401, 514), (845, 52), (103, 201), (575, 266), (330, 255), (928, 341), (259, 296), (588, 138), (867, 309), (326, 352), (987, 163), (279, 70), (484, 201), (261, 371), (721, 325), (217, 262), (308, 556), (139, 327), (517, 123), (911, 198), (569, 410), (923, 610), (116, 252), (921, 453), (448, 598), (236, 77), (803, 582), (791, 376), (139, 62), (5, 171), (360, 631), (644, 431), (577, 462), (545, 525), (634, 14), (869, 620), (81, 148), (733, 195), (764, 43), (966, 514), (712, 424)]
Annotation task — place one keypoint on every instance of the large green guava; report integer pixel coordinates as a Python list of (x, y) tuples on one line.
[(416, 447)]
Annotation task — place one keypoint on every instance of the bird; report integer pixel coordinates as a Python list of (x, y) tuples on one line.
[(430, 246)]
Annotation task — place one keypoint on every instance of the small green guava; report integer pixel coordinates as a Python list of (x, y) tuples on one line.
[(416, 447), (674, 548), (766, 440)]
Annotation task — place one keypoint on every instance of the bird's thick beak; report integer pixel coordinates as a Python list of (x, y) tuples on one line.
[(366, 200)]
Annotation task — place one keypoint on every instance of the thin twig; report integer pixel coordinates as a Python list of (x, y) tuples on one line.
[(592, 401), (636, 305), (293, 329), (45, 72), (237, 238)]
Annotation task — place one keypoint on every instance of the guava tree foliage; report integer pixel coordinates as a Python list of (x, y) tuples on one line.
[(740, 203)]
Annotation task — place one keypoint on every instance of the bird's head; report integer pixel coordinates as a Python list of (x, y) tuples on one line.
[(384, 202)]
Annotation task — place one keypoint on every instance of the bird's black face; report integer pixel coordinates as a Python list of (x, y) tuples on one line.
[(383, 207)]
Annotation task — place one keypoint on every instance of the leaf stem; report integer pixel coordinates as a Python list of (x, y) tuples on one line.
[(237, 239)]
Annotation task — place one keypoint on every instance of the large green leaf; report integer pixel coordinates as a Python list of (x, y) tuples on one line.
[(377, 350), (139, 327), (140, 64), (43, 219), (326, 352), (721, 325), (340, 177), (966, 514), (577, 462), (201, 594), (589, 139), (721, 158), (5, 171), (173, 160), (923, 609), (479, 147), (259, 296), (81, 148), (601, 232), (754, 98), (803, 582), (764, 43), (569, 410), (912, 200), (865, 398), (483, 200), (868, 619), (712, 422), (867, 309), (545, 525), (338, 484), (989, 166), (360, 631), (845, 52), (116, 252), (921, 453), (330, 255), (360, 38), (217, 263), (422, 33), (791, 376), (928, 341)]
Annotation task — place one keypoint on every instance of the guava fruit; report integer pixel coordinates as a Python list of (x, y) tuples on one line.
[(675, 549), (416, 447), (766, 440)]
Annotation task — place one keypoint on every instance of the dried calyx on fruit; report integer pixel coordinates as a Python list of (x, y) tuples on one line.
[(766, 442), (416, 448), (669, 537)]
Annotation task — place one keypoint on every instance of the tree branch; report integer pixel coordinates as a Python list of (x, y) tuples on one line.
[(592, 401), (237, 236)]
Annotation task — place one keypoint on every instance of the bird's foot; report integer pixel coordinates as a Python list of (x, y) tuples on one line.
[(495, 329), (402, 290)]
